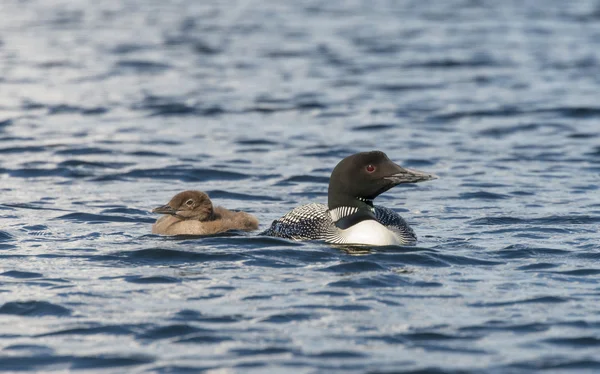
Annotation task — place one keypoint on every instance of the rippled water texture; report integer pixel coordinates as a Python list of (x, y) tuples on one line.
[(108, 108)]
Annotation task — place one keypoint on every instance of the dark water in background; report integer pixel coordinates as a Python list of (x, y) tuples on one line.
[(107, 109)]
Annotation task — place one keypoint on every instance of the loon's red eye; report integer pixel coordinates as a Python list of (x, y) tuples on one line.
[(370, 168)]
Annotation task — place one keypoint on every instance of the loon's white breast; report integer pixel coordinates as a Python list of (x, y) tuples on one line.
[(369, 232)]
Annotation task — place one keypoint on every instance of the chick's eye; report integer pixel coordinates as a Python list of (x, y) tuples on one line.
[(189, 202), (370, 168)]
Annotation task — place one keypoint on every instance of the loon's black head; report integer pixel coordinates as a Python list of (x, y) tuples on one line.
[(364, 176)]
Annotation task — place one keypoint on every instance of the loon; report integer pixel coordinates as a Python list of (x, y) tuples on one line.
[(192, 213), (350, 216)]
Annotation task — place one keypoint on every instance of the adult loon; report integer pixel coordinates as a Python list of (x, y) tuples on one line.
[(192, 213), (350, 216)]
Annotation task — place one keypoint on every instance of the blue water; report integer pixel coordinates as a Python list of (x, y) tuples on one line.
[(107, 109)]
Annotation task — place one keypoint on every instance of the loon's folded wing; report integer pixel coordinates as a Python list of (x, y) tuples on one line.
[(394, 222), (306, 222)]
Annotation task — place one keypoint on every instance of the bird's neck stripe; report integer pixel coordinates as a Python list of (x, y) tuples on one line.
[(369, 203), (341, 212)]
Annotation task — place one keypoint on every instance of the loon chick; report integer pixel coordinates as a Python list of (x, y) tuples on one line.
[(192, 213), (350, 216)]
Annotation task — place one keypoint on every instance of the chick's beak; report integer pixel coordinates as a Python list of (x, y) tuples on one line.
[(165, 209)]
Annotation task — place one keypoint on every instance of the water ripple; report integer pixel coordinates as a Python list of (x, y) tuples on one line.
[(98, 218), (4, 236), (21, 274), (582, 341), (196, 316), (75, 362), (220, 194), (150, 279), (550, 220), (96, 329), (171, 331), (34, 309), (532, 300), (174, 173), (579, 272), (171, 106), (290, 317), (382, 281), (68, 109), (482, 195), (556, 363)]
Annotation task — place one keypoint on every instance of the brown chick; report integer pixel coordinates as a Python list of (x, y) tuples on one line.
[(192, 213)]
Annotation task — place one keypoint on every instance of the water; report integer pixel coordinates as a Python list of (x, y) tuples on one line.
[(107, 109)]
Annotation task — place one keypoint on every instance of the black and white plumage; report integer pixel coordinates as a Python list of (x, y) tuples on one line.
[(350, 216), (316, 222)]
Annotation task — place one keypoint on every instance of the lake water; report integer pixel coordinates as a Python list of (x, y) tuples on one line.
[(108, 108)]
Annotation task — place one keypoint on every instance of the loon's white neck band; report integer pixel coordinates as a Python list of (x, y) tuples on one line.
[(368, 201), (341, 212)]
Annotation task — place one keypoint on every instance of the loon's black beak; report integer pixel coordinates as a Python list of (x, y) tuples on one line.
[(404, 175), (165, 209)]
